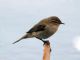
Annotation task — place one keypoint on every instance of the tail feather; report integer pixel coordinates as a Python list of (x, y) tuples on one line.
[(25, 36), (16, 41)]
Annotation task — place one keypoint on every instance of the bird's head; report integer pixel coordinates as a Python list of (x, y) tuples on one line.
[(55, 20)]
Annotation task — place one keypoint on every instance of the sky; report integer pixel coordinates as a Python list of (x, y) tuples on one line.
[(18, 16)]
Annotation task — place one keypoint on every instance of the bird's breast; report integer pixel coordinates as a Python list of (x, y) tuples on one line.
[(49, 31)]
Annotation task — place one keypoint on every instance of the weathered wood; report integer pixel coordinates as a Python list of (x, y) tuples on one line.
[(47, 50)]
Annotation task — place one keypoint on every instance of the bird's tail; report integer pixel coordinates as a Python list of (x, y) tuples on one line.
[(25, 36)]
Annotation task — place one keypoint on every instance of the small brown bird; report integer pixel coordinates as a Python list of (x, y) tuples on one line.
[(44, 29)]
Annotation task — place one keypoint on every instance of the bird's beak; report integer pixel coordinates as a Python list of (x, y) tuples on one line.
[(62, 23)]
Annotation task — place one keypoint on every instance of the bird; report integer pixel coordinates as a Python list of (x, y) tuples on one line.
[(44, 29)]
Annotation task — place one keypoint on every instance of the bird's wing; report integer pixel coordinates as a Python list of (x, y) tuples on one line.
[(37, 28)]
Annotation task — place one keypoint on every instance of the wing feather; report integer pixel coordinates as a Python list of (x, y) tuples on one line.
[(37, 28)]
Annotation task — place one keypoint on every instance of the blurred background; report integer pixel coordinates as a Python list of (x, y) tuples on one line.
[(18, 16)]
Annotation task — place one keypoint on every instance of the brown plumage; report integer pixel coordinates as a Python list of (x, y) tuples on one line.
[(44, 29)]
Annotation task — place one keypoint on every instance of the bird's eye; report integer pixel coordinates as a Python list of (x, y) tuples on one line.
[(53, 21)]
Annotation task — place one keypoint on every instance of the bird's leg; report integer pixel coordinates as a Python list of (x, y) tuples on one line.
[(45, 42), (40, 39)]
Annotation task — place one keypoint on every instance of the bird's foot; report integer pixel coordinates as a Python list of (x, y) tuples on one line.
[(47, 43)]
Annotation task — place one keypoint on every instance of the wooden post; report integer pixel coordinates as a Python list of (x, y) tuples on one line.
[(47, 50)]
